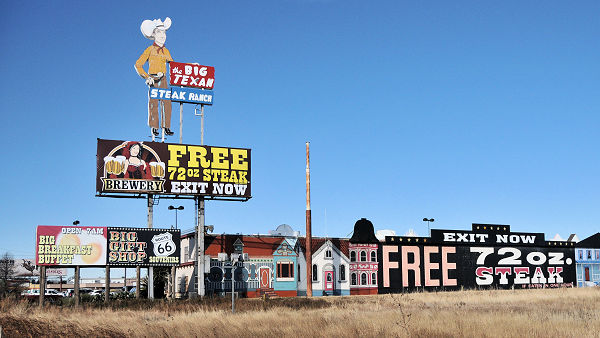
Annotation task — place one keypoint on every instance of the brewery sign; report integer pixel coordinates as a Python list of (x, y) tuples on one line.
[(126, 167)]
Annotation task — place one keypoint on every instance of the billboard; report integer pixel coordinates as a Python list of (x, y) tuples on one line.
[(179, 94), (488, 256), (143, 247), (70, 245), (172, 169), (191, 75), (102, 246)]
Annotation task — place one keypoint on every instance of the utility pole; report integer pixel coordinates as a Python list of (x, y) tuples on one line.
[(308, 228)]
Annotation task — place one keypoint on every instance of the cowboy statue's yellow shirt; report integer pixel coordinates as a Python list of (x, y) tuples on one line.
[(157, 58)]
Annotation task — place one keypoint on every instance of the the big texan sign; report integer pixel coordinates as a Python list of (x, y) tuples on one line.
[(487, 256), (172, 169)]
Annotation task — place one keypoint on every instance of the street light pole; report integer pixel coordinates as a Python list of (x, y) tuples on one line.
[(176, 210), (428, 220)]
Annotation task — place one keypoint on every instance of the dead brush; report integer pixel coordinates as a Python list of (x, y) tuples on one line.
[(405, 316)]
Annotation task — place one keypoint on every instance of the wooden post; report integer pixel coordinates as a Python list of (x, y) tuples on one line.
[(173, 279), (137, 282), (107, 285), (42, 284), (76, 286), (308, 228)]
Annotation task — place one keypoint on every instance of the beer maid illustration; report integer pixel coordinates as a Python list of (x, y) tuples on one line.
[(157, 56), (163, 244), (128, 165)]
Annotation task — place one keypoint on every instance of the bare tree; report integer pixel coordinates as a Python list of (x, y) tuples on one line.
[(7, 271)]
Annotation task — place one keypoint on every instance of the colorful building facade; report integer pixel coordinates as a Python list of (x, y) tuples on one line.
[(364, 266), (487, 256), (587, 256)]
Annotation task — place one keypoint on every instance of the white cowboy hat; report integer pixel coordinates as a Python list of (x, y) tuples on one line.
[(148, 26)]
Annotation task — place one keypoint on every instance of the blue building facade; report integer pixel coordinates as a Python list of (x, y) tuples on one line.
[(587, 257)]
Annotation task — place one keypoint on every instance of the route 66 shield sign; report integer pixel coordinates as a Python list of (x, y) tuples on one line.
[(163, 244)]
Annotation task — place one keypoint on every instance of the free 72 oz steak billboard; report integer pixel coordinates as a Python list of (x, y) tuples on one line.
[(132, 167), (488, 256)]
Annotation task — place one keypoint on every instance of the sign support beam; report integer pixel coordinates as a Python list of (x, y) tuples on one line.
[(137, 282), (42, 284), (76, 285), (107, 285), (150, 269)]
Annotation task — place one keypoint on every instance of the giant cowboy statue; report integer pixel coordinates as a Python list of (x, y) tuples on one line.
[(157, 56)]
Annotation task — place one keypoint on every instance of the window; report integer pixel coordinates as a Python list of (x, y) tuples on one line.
[(373, 256), (363, 256), (363, 279), (329, 277), (342, 272), (580, 254), (328, 253), (181, 287), (299, 272), (186, 254), (589, 254), (597, 254), (353, 279), (352, 256), (373, 278), (314, 273), (285, 269)]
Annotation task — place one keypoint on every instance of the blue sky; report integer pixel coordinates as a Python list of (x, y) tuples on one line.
[(463, 111)]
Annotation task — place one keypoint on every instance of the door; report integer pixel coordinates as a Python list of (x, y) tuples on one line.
[(587, 274), (265, 278), (329, 281)]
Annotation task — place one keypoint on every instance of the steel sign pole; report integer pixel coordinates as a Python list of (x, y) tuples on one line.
[(200, 246), (232, 289), (180, 122), (150, 269), (308, 228), (200, 226)]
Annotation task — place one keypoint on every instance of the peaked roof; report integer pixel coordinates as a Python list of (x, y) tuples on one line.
[(316, 243), (254, 245), (591, 242)]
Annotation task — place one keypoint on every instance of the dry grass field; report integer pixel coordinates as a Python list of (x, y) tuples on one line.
[(496, 313)]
